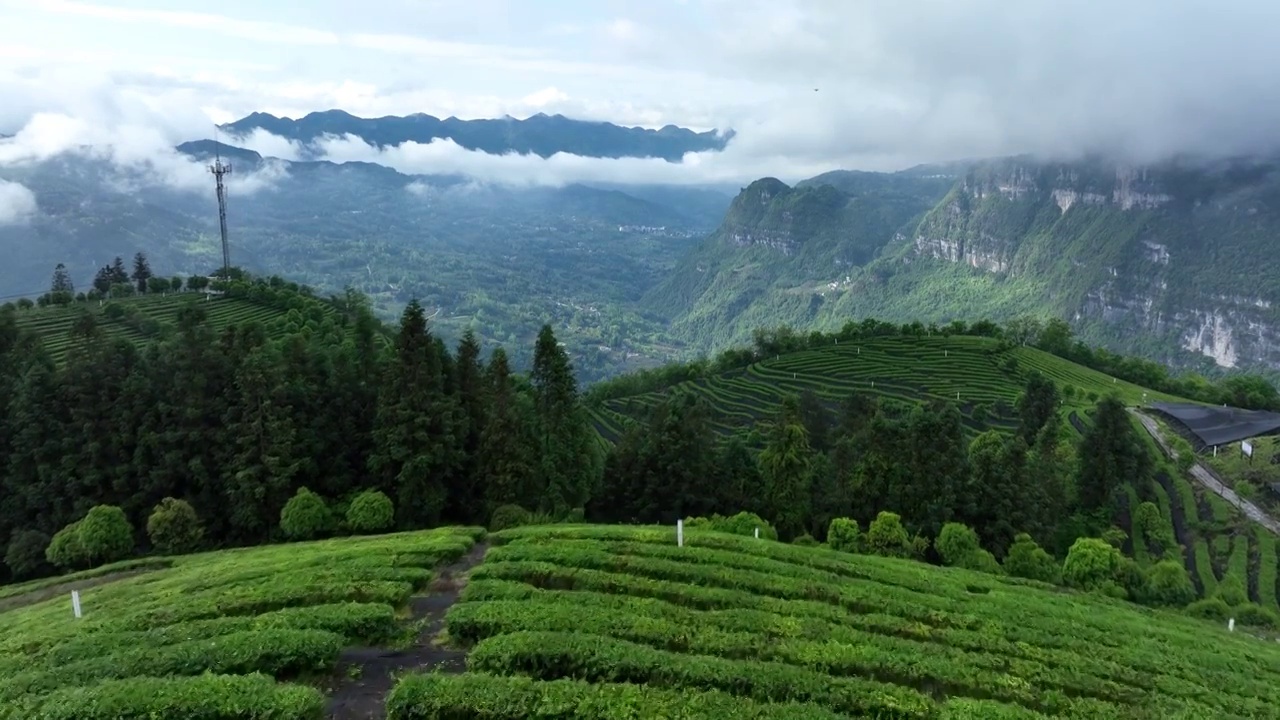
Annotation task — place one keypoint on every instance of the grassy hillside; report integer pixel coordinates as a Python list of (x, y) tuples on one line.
[(973, 372), (557, 618), (146, 641), (732, 626)]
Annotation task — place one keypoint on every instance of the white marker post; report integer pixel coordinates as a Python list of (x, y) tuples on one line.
[(1231, 625), (75, 602), (757, 533), (679, 533)]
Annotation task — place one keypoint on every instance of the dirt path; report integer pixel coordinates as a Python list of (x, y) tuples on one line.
[(368, 673), (1207, 479)]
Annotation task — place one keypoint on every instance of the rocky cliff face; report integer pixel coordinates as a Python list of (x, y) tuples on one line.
[(1183, 254)]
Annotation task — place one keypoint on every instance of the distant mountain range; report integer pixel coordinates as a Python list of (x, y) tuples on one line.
[(542, 135)]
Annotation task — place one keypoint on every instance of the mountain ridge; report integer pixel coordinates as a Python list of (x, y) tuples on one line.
[(1168, 260), (541, 134)]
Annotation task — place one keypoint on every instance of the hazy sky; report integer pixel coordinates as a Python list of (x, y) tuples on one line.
[(898, 81)]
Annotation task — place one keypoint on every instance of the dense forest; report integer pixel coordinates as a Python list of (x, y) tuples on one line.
[(326, 403), (236, 422)]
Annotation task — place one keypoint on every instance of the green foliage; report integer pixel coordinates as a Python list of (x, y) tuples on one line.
[(508, 516), (1028, 560), (887, 537), (105, 534), (423, 697), (1231, 591), (1209, 609), (1184, 454), (1251, 614), (956, 543), (25, 554), (1091, 564), (1170, 585), (371, 511), (805, 540), (743, 523), (306, 516), (843, 534), (202, 697), (144, 645), (853, 634), (174, 528)]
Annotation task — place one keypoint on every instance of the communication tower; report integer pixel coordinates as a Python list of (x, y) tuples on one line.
[(219, 170)]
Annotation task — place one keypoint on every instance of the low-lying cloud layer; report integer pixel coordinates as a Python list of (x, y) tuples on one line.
[(17, 203), (809, 85)]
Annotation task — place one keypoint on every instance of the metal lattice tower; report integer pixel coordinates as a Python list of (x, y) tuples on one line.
[(219, 169)]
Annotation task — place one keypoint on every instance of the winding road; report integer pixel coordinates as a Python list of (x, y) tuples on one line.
[(1207, 479)]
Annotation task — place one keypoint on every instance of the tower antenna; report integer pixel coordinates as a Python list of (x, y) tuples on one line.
[(220, 169)]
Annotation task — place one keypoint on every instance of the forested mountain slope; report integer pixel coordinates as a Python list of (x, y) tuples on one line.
[(1175, 261)]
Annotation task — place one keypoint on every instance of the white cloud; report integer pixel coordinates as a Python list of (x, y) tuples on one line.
[(896, 83), (17, 203), (141, 155)]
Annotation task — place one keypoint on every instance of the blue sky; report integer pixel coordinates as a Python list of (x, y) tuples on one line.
[(899, 81)]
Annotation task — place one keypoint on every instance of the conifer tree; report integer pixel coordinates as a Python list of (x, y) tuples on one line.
[(1039, 402), (1110, 455), (141, 271), (784, 465), (466, 496), (504, 463), (565, 463), (62, 281)]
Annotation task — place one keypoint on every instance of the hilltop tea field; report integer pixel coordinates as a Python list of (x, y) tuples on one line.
[(559, 619), (587, 621), (974, 372), (242, 633), (142, 318)]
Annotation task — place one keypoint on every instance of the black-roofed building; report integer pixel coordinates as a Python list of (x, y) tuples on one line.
[(1209, 425)]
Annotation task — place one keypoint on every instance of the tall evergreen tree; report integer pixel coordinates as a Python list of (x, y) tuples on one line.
[(467, 496), (62, 281), (504, 456), (566, 467), (934, 468), (1039, 402), (417, 450), (784, 465), (1110, 455), (739, 485), (141, 271)]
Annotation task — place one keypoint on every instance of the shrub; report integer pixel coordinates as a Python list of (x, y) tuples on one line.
[(1115, 537), (1255, 615), (508, 516), (305, 516), (956, 542), (1209, 609), (1091, 563), (887, 537), (1231, 591), (25, 555), (174, 528), (371, 511), (843, 534), (1170, 585), (743, 523), (805, 540), (208, 697), (65, 549), (1027, 559), (105, 534)]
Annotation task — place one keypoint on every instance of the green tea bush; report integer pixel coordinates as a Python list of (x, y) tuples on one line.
[(956, 543), (1254, 615), (370, 512), (174, 528), (1090, 564), (477, 695), (1170, 585), (1209, 609), (202, 697), (805, 540)]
